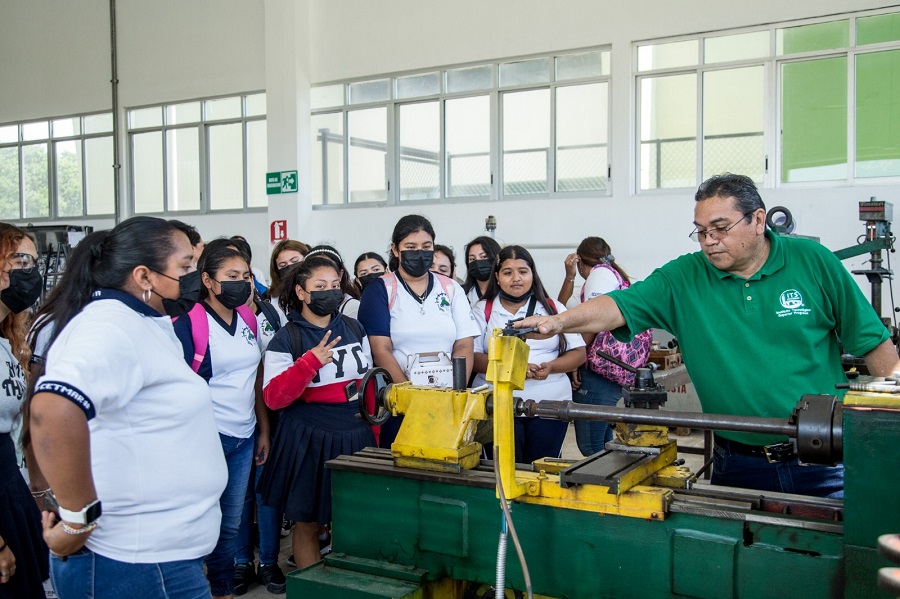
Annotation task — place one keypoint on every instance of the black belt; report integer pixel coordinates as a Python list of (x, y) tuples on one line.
[(779, 452)]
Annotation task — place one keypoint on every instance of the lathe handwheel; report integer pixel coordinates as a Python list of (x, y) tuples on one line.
[(382, 379)]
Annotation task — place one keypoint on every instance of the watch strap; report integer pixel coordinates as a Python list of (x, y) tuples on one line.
[(88, 514)]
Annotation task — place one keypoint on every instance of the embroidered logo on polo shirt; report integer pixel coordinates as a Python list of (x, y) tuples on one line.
[(442, 301), (248, 335), (792, 301)]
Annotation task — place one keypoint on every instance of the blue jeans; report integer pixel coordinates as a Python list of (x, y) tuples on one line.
[(86, 574), (269, 520), (220, 563), (751, 472), (595, 390)]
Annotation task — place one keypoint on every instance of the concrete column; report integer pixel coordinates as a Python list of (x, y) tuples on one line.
[(287, 110)]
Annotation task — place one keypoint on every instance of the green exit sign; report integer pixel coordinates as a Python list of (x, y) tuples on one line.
[(281, 182)]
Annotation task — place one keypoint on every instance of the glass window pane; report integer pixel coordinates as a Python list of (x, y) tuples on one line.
[(581, 137), (525, 72), (223, 108), (588, 64), (9, 183), (733, 102), (35, 131), (420, 151), (9, 134), (668, 56), (367, 130), (470, 79), (147, 172), (877, 115), (178, 114), (415, 86), (742, 46), (668, 132), (326, 96), (370, 91), (145, 117), (526, 141), (98, 123), (809, 38), (66, 127), (255, 105), (328, 158), (98, 160), (69, 191), (468, 133), (256, 164), (183, 169), (35, 181), (226, 167), (814, 120), (877, 29)]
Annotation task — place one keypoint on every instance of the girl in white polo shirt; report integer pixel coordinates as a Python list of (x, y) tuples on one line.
[(229, 363), (515, 291), (411, 310), (119, 418)]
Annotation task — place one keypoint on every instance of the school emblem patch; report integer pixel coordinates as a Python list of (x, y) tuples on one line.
[(442, 301), (792, 302)]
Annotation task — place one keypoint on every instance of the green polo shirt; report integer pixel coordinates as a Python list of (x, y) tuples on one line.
[(754, 346)]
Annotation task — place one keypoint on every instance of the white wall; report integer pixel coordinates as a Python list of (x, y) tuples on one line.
[(358, 38), (56, 62)]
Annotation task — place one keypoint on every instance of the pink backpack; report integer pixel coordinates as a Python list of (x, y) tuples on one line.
[(634, 353), (200, 330)]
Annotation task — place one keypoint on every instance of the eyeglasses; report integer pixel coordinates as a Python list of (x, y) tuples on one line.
[(717, 232), (25, 262)]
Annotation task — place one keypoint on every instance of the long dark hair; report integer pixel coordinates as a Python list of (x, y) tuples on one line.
[(594, 250), (517, 252), (299, 275), (214, 255), (406, 226), (103, 259), (491, 249), (332, 254)]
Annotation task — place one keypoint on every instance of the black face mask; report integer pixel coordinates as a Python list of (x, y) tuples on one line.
[(234, 293), (284, 270), (416, 262), (368, 278), (515, 299), (24, 289), (480, 269), (189, 294), (323, 303)]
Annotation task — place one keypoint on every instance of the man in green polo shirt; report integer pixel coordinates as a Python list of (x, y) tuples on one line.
[(759, 319)]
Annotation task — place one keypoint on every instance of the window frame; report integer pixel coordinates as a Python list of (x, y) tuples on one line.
[(772, 101), (50, 143), (494, 93), (203, 126)]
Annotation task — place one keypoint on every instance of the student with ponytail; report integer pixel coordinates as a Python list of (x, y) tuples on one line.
[(123, 430)]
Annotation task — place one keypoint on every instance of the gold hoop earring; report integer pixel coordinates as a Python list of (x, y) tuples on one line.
[(147, 293)]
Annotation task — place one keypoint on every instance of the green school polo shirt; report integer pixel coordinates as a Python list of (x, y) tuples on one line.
[(754, 346)]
